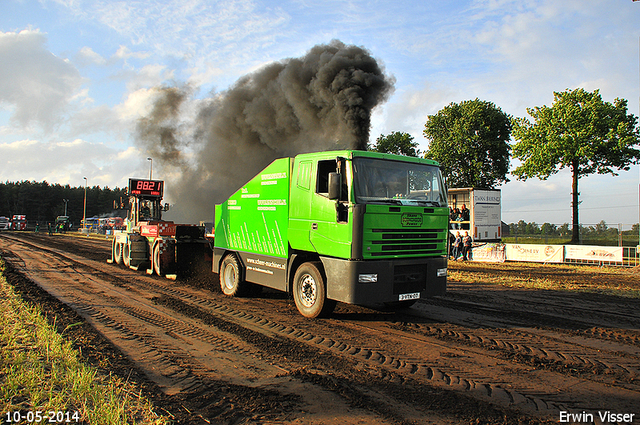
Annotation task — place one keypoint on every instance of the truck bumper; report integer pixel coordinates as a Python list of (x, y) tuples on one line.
[(384, 281)]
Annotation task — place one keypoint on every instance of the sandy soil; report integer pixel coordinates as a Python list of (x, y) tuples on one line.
[(482, 354)]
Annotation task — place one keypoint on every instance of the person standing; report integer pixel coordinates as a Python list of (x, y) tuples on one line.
[(457, 246), (466, 247)]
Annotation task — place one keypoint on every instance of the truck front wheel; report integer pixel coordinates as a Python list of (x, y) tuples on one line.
[(230, 277), (310, 292)]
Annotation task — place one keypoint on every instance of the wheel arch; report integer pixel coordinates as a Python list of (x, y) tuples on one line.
[(241, 265), (296, 260)]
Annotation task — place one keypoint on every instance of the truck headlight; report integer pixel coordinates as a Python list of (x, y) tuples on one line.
[(368, 278), (442, 272)]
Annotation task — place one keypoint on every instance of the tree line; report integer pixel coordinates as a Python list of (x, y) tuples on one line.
[(549, 229), (580, 131), (42, 202)]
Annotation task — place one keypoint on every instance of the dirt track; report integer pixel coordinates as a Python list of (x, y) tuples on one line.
[(480, 354)]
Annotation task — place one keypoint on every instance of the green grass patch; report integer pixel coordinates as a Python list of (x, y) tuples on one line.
[(41, 372)]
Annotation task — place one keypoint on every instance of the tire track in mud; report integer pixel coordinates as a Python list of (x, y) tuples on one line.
[(169, 360), (614, 364), (548, 312), (166, 362), (529, 402), (516, 346)]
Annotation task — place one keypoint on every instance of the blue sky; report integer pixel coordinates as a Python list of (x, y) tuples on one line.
[(76, 75)]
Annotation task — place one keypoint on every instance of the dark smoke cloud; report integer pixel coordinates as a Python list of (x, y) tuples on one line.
[(322, 101)]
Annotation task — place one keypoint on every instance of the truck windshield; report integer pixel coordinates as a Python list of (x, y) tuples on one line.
[(397, 182)]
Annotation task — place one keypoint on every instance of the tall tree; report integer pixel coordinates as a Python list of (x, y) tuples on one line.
[(470, 140), (580, 132), (397, 143)]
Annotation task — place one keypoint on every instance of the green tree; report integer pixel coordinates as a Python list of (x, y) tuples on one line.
[(397, 143), (548, 229), (470, 140), (580, 132)]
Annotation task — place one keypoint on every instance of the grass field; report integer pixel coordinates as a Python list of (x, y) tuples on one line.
[(615, 281), (43, 378)]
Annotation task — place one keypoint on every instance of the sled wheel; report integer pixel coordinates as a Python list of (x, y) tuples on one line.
[(310, 292)]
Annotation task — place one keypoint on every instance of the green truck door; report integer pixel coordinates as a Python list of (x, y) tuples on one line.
[(328, 236)]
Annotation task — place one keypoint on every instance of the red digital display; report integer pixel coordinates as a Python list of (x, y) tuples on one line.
[(145, 187)]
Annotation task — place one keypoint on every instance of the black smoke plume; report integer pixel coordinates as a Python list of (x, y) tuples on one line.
[(322, 101)]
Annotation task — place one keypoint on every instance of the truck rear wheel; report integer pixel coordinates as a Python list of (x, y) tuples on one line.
[(157, 260), (310, 291), (126, 254), (117, 252), (230, 277)]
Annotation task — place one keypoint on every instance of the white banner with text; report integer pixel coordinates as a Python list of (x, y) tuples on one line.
[(593, 253), (535, 253)]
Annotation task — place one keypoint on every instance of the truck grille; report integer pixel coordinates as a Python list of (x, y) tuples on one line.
[(406, 242), (409, 278)]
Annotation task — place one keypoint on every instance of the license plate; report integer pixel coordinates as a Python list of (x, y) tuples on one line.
[(413, 296)]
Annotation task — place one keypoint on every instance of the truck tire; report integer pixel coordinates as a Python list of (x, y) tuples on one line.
[(231, 281), (126, 254), (158, 267), (117, 252), (310, 291)]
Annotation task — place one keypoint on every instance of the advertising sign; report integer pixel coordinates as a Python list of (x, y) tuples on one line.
[(255, 218), (594, 253), (489, 253), (535, 253)]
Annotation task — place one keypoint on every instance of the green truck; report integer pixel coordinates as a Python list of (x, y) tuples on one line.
[(352, 226)]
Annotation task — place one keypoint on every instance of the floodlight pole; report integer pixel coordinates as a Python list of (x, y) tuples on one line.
[(638, 247), (84, 214)]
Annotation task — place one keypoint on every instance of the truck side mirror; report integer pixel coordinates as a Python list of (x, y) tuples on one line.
[(334, 185), (166, 207)]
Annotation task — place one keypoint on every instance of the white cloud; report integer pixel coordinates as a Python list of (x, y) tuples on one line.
[(149, 76), (86, 56), (137, 104), (66, 162), (17, 145), (125, 53), (33, 80), (202, 32)]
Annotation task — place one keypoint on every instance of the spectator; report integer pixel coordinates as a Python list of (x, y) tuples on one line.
[(466, 215), (457, 246), (458, 219), (452, 239), (466, 247)]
